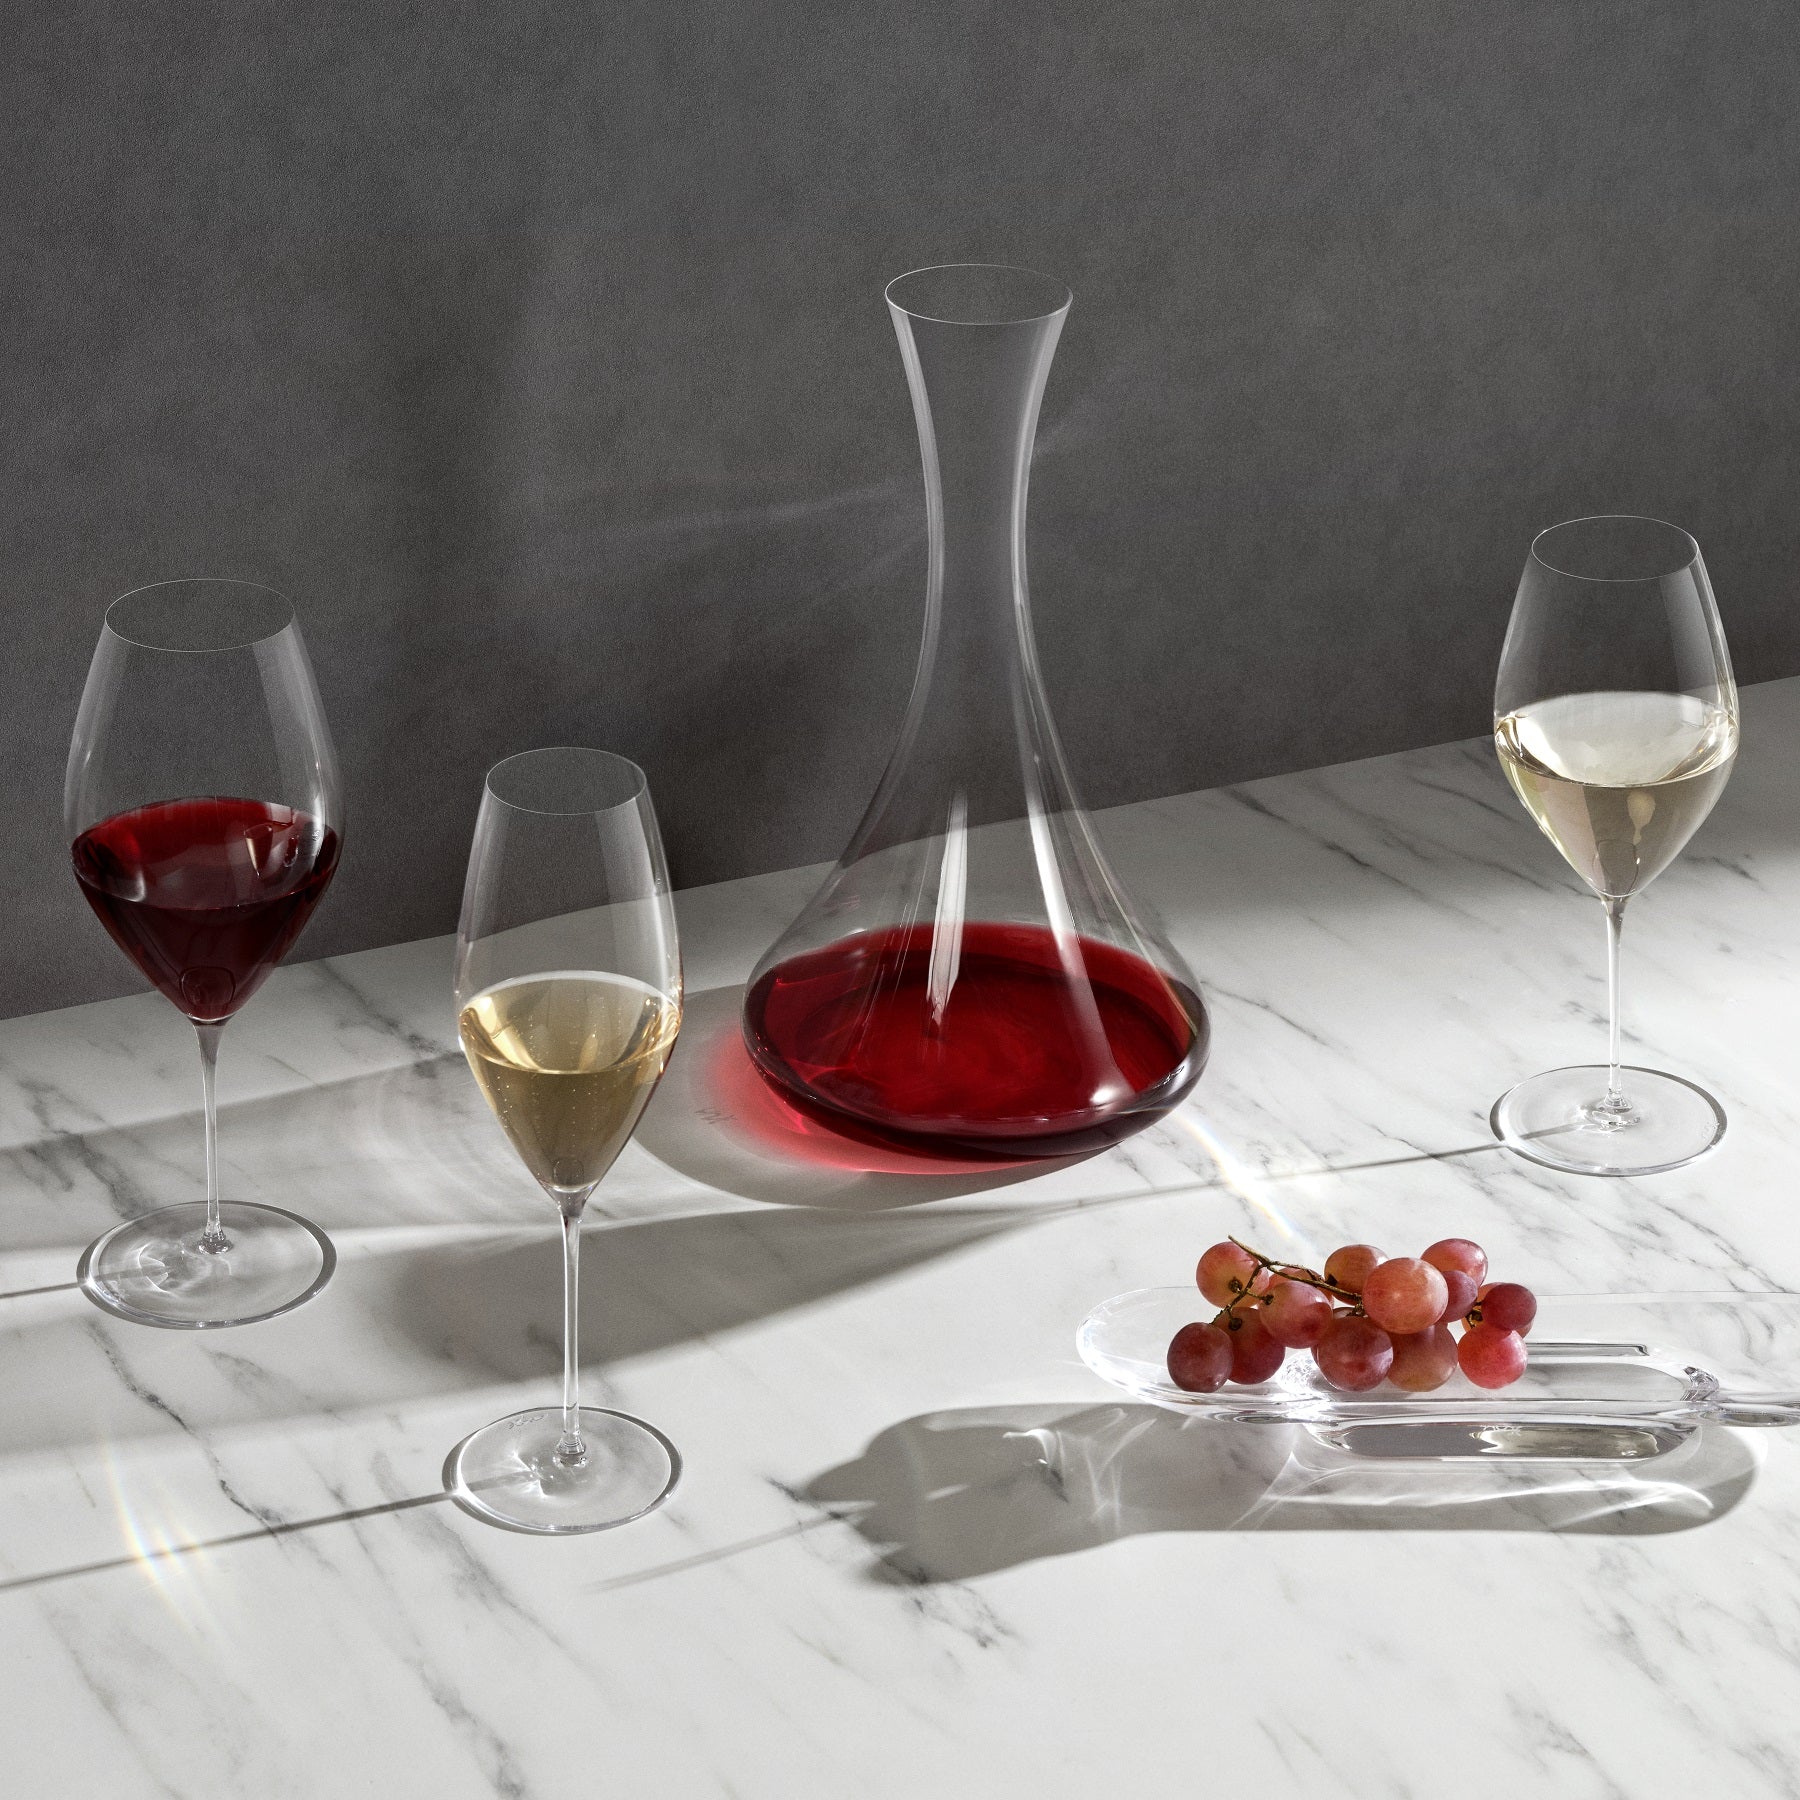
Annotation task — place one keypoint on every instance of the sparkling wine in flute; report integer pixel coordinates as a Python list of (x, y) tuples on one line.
[(1616, 722), (568, 1002), (568, 1061), (1618, 782)]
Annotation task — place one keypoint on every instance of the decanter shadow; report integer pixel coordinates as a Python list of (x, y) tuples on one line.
[(951, 1495), (491, 1306)]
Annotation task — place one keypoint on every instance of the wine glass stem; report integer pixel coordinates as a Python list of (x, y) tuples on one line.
[(1615, 926), (213, 1237), (570, 1450)]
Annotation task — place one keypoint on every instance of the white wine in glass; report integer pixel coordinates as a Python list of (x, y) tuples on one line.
[(1616, 722), (1618, 781), (568, 990)]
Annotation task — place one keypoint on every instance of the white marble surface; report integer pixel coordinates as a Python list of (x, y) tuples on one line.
[(919, 1550)]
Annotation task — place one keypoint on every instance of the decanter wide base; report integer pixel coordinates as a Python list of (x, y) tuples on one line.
[(1028, 1047)]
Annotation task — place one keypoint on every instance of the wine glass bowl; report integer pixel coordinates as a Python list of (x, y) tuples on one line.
[(202, 809), (1616, 723), (568, 994)]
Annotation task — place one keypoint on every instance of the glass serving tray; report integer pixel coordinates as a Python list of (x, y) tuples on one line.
[(1611, 1377)]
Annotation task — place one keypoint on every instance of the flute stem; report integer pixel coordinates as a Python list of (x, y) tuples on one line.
[(571, 1452)]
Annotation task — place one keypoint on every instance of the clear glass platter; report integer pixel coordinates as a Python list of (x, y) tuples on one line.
[(1612, 1377)]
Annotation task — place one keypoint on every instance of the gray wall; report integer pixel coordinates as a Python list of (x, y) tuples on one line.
[(538, 350)]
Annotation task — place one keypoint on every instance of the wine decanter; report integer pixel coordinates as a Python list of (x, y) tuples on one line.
[(972, 979)]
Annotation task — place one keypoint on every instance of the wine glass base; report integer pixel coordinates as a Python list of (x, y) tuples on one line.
[(153, 1271), (507, 1473), (1557, 1120)]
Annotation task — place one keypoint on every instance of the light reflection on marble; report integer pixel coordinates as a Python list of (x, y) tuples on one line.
[(919, 1548)]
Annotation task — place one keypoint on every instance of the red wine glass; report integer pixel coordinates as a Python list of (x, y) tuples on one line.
[(203, 816)]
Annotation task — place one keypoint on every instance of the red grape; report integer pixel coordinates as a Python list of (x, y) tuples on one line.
[(1354, 1354), (1225, 1271), (1404, 1294), (1296, 1314), (1349, 1265), (1255, 1354), (1200, 1358), (1507, 1306), (1490, 1357), (1423, 1360), (1462, 1291), (1457, 1253)]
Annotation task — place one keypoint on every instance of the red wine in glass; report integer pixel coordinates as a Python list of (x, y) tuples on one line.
[(206, 896), (1039, 1046), (201, 810)]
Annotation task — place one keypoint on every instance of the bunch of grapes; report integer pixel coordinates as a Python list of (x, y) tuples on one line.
[(1366, 1318)]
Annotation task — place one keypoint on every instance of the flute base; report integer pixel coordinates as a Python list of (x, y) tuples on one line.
[(156, 1271), (1560, 1120), (507, 1473)]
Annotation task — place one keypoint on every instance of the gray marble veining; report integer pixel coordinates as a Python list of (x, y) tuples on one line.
[(919, 1549)]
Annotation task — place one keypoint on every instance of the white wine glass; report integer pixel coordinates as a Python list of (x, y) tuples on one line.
[(568, 996), (1616, 721)]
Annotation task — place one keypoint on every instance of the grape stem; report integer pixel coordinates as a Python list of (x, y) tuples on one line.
[(1293, 1272)]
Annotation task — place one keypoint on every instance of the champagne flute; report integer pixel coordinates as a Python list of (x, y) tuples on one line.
[(1616, 721), (568, 995), (201, 804)]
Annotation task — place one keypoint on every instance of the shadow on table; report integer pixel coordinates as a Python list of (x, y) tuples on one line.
[(717, 1121), (411, 1315), (414, 1144), (496, 1306), (147, 1556), (407, 1145), (951, 1495)]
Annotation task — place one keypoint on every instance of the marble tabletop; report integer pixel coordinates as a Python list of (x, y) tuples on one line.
[(919, 1549)]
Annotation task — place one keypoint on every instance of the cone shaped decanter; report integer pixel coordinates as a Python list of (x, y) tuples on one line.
[(972, 980)]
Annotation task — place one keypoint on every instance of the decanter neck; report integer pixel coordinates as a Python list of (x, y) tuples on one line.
[(978, 346), (976, 390)]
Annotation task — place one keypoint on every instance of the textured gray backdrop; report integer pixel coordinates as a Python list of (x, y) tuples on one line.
[(538, 350)]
